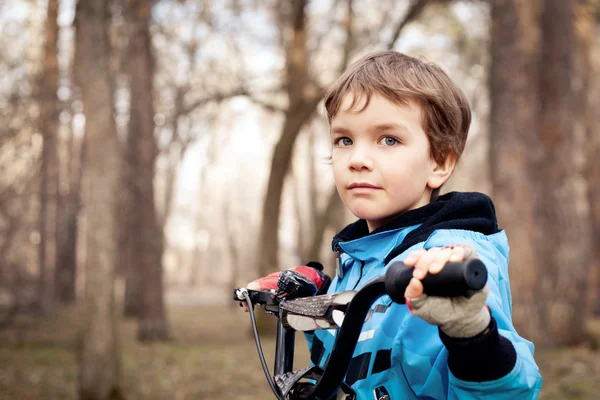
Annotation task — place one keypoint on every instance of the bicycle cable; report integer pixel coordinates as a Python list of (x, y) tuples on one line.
[(259, 347)]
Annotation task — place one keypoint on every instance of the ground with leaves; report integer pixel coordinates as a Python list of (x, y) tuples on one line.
[(211, 356)]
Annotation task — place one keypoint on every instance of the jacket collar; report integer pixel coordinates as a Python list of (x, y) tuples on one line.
[(455, 210)]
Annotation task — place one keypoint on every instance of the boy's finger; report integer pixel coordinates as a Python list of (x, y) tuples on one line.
[(422, 266), (458, 254), (414, 289), (414, 257), (469, 252), (254, 285), (440, 261)]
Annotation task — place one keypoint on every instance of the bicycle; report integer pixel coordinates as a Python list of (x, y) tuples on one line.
[(295, 303)]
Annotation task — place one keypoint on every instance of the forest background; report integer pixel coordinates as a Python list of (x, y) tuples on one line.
[(156, 154)]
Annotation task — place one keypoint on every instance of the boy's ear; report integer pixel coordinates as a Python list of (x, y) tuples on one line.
[(441, 172)]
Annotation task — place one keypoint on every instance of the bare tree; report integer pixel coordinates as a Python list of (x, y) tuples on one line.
[(99, 365), (147, 235), (593, 175), (68, 226), (538, 161), (513, 144), (563, 209), (303, 97), (49, 157)]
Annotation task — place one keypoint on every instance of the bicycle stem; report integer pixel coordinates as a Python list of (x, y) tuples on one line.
[(284, 347)]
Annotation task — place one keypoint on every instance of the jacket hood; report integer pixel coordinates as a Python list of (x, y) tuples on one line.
[(455, 210)]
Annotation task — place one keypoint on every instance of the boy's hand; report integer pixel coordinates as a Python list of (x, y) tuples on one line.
[(458, 317), (312, 271)]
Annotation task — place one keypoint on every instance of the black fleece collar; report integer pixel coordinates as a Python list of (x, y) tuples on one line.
[(455, 210)]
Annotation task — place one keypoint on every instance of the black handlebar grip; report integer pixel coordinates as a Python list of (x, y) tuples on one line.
[(454, 280)]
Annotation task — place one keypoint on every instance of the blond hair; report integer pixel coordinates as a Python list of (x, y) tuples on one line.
[(400, 78)]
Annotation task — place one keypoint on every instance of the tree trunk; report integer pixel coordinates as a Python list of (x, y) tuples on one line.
[(67, 229), (99, 368), (147, 236), (49, 162), (132, 303), (564, 249), (513, 126), (593, 177), (299, 111)]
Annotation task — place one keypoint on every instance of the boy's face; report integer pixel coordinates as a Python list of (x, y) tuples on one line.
[(381, 159)]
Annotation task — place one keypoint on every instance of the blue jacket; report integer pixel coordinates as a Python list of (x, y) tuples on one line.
[(403, 356)]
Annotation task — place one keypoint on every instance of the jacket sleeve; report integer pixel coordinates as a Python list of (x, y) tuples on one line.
[(523, 381)]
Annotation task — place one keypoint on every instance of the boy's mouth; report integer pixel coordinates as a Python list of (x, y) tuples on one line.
[(362, 185)]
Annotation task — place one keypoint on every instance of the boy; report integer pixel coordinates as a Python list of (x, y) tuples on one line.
[(398, 126)]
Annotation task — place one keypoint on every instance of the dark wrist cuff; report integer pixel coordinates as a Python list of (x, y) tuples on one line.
[(485, 357), (315, 264)]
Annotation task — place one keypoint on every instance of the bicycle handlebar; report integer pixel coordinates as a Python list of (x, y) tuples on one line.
[(454, 280)]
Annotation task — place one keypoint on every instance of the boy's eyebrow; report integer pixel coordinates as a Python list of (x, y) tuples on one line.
[(341, 130), (391, 126)]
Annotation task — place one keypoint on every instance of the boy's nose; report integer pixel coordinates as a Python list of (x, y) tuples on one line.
[(360, 160)]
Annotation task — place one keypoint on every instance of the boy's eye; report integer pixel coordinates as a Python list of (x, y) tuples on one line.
[(343, 142), (389, 141)]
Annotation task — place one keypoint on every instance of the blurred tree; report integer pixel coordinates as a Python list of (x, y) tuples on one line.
[(562, 206), (185, 101), (303, 96), (513, 144), (593, 147), (69, 205), (99, 363), (142, 150), (49, 158), (539, 82)]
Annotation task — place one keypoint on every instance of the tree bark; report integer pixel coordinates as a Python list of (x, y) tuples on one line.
[(98, 357), (68, 227), (593, 175), (543, 174), (147, 236), (513, 144), (49, 160), (132, 301), (563, 210)]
